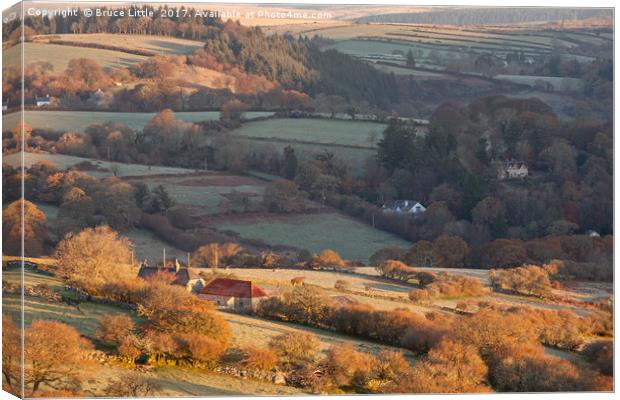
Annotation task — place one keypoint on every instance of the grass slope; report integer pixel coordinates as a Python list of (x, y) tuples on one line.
[(158, 44), (62, 161), (60, 55), (351, 133), (350, 238)]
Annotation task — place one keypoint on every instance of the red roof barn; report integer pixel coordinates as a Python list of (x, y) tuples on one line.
[(233, 294)]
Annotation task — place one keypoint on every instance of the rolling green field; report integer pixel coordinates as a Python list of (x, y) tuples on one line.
[(78, 121), (350, 238), (383, 41), (62, 161), (352, 156), (32, 278), (158, 44), (146, 245), (85, 321), (352, 133), (60, 55), (352, 142), (207, 193), (560, 84)]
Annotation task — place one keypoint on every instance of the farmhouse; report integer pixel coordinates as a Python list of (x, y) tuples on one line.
[(403, 207), (233, 294), (183, 276), (42, 101), (511, 169)]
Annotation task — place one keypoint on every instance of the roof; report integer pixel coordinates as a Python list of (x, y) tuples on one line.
[(404, 205), (182, 276), (233, 288)]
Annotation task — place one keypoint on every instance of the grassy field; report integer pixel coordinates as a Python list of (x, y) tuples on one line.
[(352, 133), (32, 278), (249, 330), (183, 382), (60, 55), (85, 320), (145, 243), (350, 238), (207, 193), (560, 84), (353, 157), (78, 121), (157, 44), (62, 161)]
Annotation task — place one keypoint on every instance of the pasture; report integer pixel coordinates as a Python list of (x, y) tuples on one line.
[(156, 44), (62, 162), (559, 84), (207, 192), (32, 278), (250, 330), (60, 55), (321, 131), (144, 243), (85, 320), (352, 239), (78, 121), (354, 157), (148, 246)]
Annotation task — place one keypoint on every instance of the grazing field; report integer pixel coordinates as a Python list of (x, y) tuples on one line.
[(156, 44), (174, 382), (60, 55), (208, 192), (351, 133), (560, 84), (62, 161), (78, 121), (279, 280), (85, 320), (354, 157), (31, 278), (147, 245), (249, 330), (316, 232)]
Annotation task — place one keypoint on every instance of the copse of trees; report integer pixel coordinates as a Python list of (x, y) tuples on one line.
[(446, 285), (215, 255), (93, 257), (31, 228), (453, 163), (308, 305), (528, 279), (56, 360)]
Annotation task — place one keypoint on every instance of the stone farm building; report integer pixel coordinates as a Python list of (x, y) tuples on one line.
[(233, 294), (183, 276)]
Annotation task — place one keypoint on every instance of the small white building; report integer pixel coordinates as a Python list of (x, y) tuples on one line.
[(512, 169), (404, 207), (42, 101)]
